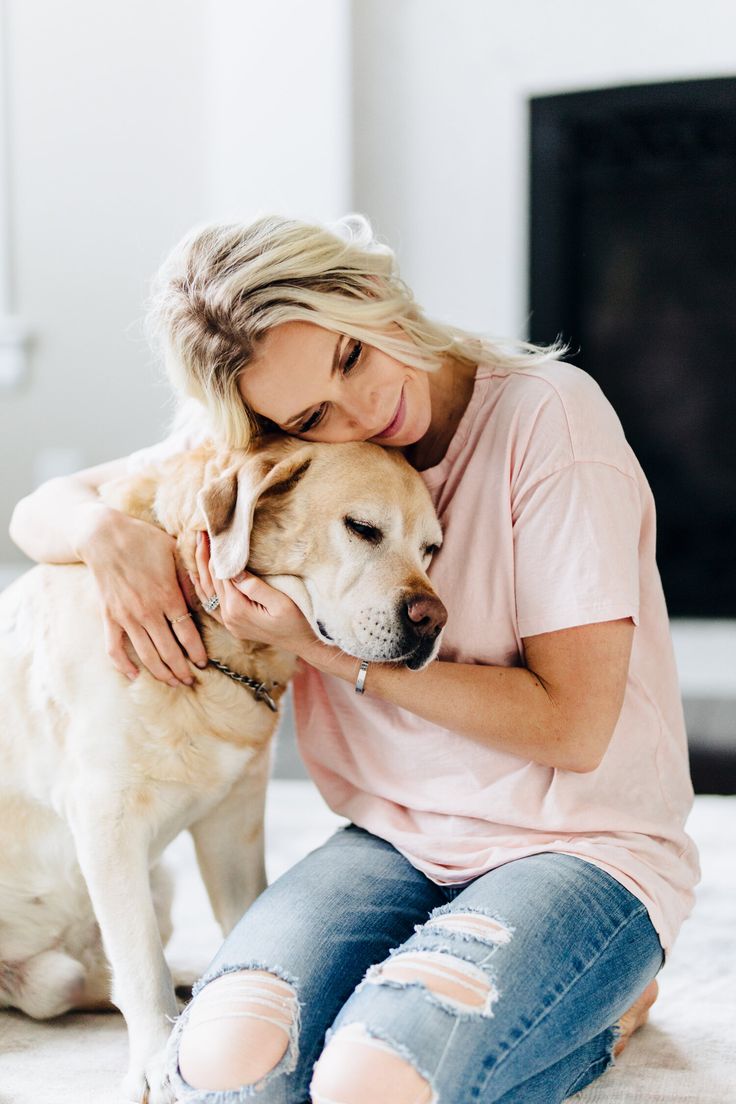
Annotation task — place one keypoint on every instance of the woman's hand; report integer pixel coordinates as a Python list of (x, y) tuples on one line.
[(142, 597), (250, 609)]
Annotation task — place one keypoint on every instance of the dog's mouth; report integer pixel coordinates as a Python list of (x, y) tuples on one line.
[(421, 655), (414, 655)]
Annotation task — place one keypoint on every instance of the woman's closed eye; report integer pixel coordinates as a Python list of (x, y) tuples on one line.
[(314, 419), (348, 365), (352, 358)]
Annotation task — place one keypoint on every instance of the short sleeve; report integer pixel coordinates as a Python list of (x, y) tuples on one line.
[(576, 549)]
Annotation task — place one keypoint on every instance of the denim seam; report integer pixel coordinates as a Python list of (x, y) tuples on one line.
[(496, 1063), (607, 1060), (446, 1047)]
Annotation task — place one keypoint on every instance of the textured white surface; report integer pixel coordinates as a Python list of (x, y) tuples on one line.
[(685, 1055)]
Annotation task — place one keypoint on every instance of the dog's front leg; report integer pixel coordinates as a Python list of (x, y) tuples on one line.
[(113, 855), (229, 845)]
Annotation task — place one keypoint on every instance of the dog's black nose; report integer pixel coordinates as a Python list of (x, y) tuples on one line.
[(425, 614)]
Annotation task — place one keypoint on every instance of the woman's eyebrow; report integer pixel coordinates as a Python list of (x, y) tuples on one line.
[(299, 418)]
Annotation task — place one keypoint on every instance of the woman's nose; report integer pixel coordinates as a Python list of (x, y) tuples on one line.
[(362, 409)]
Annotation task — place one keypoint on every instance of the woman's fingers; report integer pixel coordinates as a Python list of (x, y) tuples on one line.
[(204, 584), (188, 636), (143, 595), (168, 649), (249, 608), (204, 598), (115, 647), (182, 625), (202, 559), (156, 648), (254, 588), (207, 586), (149, 657), (198, 589)]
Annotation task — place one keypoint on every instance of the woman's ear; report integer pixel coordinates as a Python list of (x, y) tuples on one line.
[(229, 502)]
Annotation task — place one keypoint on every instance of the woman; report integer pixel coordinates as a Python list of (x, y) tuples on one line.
[(489, 925)]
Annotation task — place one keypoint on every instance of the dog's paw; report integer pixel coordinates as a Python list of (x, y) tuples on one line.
[(147, 1081), (138, 1092), (159, 1086), (133, 1089), (151, 1086)]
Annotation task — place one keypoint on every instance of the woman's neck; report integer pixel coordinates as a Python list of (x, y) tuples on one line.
[(450, 389)]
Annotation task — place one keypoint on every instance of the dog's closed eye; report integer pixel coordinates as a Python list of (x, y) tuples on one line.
[(363, 530)]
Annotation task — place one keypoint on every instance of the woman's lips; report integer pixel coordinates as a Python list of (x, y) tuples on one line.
[(396, 423)]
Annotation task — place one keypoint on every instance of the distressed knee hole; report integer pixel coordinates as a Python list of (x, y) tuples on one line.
[(357, 1068), (461, 984), (239, 1028), (474, 924)]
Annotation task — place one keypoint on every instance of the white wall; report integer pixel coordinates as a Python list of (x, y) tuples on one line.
[(441, 122), (278, 108), (104, 150), (130, 122)]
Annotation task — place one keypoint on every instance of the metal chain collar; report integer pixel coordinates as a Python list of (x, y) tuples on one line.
[(261, 690)]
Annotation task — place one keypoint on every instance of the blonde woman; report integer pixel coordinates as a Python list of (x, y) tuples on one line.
[(489, 925)]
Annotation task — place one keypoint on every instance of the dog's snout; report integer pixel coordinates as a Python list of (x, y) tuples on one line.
[(425, 614)]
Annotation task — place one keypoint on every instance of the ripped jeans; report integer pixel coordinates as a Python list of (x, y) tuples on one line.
[(506, 988)]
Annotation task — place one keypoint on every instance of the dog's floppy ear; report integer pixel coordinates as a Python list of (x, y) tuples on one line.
[(229, 503)]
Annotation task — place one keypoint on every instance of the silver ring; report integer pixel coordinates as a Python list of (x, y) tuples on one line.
[(212, 603)]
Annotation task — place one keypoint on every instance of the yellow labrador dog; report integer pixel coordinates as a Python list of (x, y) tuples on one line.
[(99, 774)]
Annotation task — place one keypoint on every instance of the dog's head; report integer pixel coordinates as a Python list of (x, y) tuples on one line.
[(347, 531)]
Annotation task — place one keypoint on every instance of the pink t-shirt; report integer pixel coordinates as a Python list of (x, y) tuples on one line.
[(549, 522)]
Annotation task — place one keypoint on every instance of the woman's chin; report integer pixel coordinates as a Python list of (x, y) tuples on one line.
[(409, 434), (398, 442)]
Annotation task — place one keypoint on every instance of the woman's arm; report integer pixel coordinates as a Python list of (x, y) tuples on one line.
[(560, 710), (57, 521), (132, 564)]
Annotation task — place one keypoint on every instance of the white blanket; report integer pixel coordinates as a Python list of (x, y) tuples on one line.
[(685, 1055)]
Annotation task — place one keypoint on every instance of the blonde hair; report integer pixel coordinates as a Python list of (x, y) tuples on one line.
[(225, 286)]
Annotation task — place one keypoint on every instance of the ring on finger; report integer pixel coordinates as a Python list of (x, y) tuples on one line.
[(212, 603), (176, 620)]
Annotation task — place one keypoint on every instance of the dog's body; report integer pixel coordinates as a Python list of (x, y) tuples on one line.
[(99, 774)]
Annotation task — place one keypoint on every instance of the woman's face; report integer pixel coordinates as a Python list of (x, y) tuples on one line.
[(323, 386)]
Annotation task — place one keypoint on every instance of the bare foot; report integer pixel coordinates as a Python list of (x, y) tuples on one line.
[(636, 1016)]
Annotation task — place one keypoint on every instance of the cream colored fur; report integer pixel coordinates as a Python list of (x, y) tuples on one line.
[(99, 774)]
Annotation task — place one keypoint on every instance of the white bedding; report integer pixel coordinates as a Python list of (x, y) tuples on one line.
[(685, 1055)]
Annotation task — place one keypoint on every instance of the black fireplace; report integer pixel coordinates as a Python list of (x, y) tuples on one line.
[(633, 263)]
